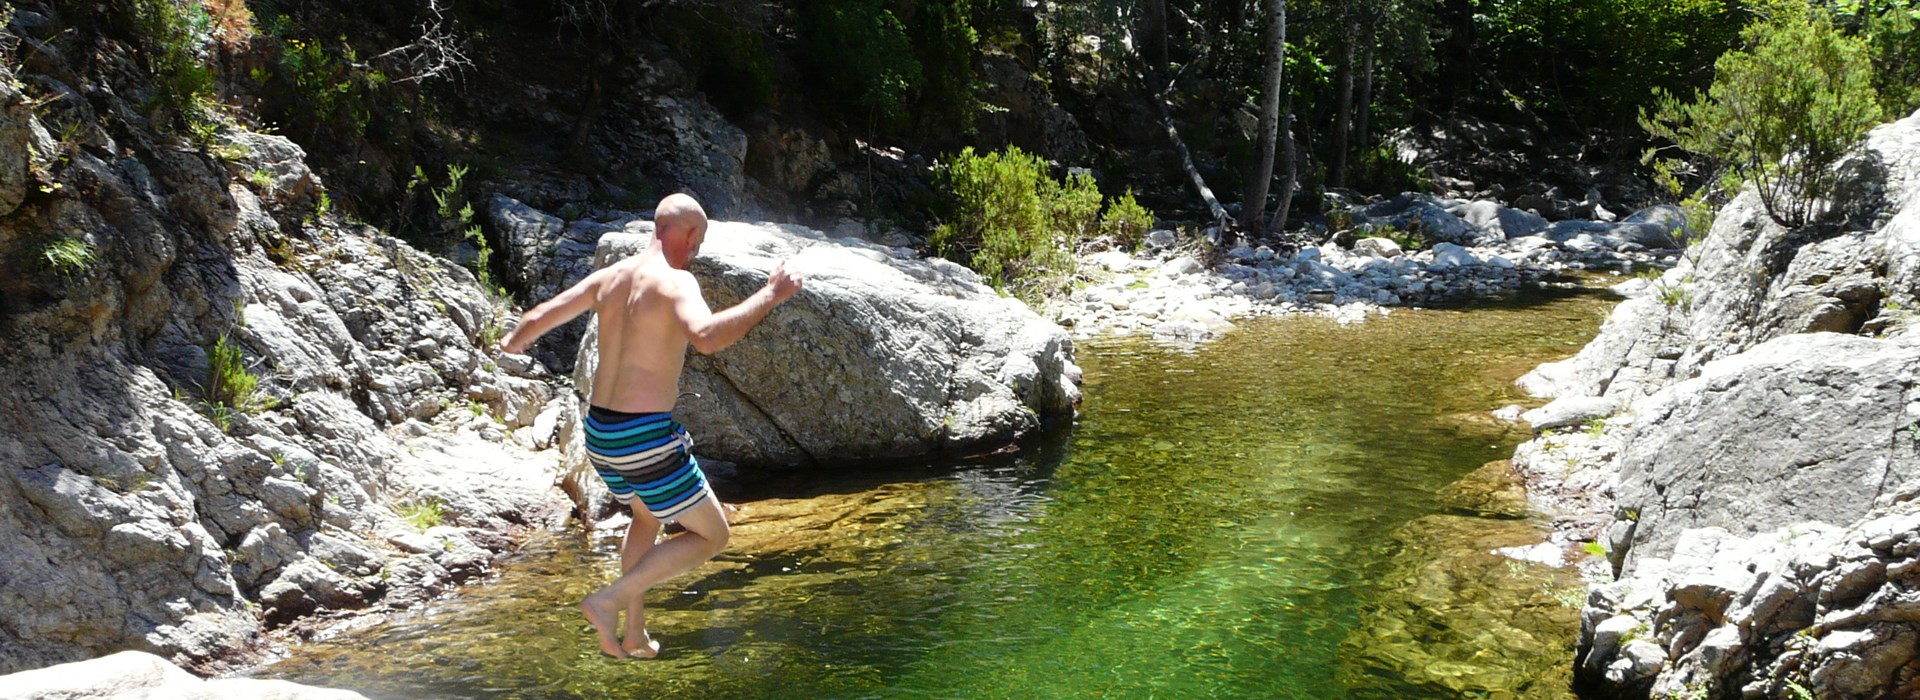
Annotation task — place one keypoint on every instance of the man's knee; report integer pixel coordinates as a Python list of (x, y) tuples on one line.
[(717, 540)]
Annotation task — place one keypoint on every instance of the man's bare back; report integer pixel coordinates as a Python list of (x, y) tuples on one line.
[(643, 347), (650, 310)]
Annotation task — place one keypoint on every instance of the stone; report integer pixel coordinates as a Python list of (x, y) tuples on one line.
[(1493, 219), (1180, 266), (1160, 238), (1448, 255), (906, 357), (16, 134), (1377, 247), (138, 674), (1569, 411)]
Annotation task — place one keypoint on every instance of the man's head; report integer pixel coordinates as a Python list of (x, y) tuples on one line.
[(680, 225)]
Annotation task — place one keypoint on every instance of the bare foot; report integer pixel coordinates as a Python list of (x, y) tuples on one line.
[(635, 640), (603, 614), (640, 646)]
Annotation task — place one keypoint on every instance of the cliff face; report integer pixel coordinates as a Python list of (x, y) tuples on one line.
[(150, 500), (1764, 486)]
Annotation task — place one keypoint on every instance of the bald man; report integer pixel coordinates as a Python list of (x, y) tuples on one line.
[(650, 310)]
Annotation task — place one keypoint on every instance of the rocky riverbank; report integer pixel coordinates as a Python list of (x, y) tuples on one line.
[(1483, 249), (1740, 443)]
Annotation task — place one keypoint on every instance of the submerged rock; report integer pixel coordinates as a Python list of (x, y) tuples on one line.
[(1453, 617)]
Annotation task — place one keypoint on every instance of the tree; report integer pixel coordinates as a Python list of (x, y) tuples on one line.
[(1780, 113), (1254, 206)]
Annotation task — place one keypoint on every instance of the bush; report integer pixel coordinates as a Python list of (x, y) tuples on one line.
[(1780, 113), (67, 256), (1019, 227), (175, 37), (1126, 222), (231, 388)]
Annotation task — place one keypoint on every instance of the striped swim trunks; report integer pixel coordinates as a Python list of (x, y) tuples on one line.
[(646, 455)]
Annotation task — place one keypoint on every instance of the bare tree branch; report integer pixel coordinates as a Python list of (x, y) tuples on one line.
[(438, 52)]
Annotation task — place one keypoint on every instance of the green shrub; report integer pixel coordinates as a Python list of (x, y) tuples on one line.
[(424, 515), (174, 38), (68, 256), (1892, 29), (1019, 227), (231, 388), (330, 94), (1126, 222), (943, 42), (1780, 113)]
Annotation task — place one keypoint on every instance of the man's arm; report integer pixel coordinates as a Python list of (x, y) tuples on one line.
[(577, 300), (711, 332)]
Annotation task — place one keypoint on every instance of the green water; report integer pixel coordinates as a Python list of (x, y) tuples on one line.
[(1216, 524)]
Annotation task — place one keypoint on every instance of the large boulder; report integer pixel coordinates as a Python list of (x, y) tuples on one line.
[(1806, 427), (880, 355), (1494, 219), (1425, 214), (1763, 497)]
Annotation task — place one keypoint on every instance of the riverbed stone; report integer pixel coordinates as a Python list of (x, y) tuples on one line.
[(1453, 617)]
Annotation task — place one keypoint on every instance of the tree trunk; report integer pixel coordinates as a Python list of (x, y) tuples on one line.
[(1186, 162), (1290, 177), (1254, 205), (1343, 107), (1153, 39), (1364, 106)]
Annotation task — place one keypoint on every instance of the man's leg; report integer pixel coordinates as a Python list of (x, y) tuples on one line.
[(642, 533), (706, 535)]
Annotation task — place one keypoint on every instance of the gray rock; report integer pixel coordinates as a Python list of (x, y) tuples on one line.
[(1745, 420), (136, 674), (904, 357), (1491, 218), (1183, 265), (1568, 411), (15, 136), (1448, 255), (1377, 247)]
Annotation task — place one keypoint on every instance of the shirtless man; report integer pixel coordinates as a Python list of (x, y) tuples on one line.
[(650, 311)]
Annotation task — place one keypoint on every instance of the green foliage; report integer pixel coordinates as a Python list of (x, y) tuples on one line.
[(174, 38), (1596, 428), (859, 54), (331, 93), (1780, 113), (230, 386), (1595, 60), (1019, 227), (1410, 239), (1594, 549), (1800, 692), (1004, 222), (1892, 29), (1126, 222), (1379, 170), (68, 256), (423, 515)]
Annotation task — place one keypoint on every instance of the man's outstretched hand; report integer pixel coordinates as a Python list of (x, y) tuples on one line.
[(783, 283)]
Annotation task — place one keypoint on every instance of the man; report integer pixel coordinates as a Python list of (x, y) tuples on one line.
[(650, 310)]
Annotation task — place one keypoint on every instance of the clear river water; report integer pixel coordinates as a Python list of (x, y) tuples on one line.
[(1256, 518)]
